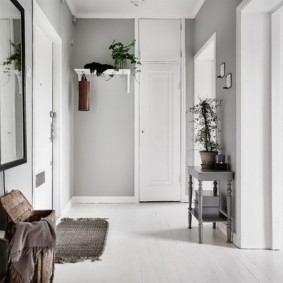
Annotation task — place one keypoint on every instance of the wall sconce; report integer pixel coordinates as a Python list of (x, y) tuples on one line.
[(84, 90), (221, 71), (228, 81)]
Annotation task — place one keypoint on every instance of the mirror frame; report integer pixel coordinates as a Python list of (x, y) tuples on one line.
[(24, 158)]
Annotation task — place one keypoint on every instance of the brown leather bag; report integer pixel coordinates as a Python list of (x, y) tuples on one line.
[(84, 91)]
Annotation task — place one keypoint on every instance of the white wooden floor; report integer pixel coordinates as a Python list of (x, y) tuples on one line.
[(151, 243)]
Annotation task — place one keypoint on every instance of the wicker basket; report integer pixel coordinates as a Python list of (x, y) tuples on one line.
[(19, 209)]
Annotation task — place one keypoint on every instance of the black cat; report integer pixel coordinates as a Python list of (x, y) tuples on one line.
[(99, 68)]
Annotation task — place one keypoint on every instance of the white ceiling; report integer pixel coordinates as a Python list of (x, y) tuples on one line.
[(125, 9)]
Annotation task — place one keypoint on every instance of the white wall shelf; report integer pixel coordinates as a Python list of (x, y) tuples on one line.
[(123, 72)]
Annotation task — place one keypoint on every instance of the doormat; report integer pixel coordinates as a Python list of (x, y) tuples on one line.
[(80, 239)]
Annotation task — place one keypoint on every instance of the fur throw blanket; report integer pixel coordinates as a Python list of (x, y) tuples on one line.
[(99, 68), (28, 242)]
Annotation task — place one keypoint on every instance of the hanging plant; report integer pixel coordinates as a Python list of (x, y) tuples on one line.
[(15, 58), (121, 55)]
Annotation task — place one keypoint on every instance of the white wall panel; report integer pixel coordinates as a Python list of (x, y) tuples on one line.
[(160, 40), (255, 122)]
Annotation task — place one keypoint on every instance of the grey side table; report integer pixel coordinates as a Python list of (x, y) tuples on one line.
[(215, 176)]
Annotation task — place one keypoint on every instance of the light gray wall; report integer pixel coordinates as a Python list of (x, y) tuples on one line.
[(94, 36), (220, 16), (53, 10), (104, 136)]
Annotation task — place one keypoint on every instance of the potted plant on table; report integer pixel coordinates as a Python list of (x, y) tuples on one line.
[(206, 123)]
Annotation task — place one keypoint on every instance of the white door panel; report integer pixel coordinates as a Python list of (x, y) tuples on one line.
[(160, 132), (160, 40), (42, 106)]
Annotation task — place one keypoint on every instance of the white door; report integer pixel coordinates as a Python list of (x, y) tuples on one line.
[(160, 132), (42, 105)]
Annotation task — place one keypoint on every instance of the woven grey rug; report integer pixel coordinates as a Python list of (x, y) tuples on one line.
[(80, 239)]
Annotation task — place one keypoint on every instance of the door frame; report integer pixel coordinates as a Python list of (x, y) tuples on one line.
[(183, 196), (40, 20), (277, 126), (275, 200)]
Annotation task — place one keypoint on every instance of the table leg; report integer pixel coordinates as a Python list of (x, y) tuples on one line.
[(215, 194), (229, 211), (200, 221), (190, 200)]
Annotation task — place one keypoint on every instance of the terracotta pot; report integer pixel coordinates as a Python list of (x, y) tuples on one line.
[(84, 89), (208, 159)]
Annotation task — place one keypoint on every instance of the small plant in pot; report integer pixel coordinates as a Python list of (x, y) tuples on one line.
[(206, 123), (122, 54)]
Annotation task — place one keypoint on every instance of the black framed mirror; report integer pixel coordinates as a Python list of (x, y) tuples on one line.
[(12, 85)]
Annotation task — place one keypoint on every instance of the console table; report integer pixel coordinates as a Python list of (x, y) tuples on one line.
[(214, 176)]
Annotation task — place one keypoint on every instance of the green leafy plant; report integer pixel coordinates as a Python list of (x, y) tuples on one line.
[(121, 54), (206, 122), (16, 58)]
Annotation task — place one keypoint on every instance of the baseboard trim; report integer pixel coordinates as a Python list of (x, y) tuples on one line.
[(64, 211), (103, 200), (223, 228), (236, 241)]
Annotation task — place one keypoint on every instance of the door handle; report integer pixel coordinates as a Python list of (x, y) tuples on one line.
[(51, 132)]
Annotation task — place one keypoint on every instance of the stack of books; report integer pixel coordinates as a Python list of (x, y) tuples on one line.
[(210, 203)]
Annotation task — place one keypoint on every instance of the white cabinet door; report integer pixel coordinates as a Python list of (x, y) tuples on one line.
[(160, 132), (42, 105), (160, 40)]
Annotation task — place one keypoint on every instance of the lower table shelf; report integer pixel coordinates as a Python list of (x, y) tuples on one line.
[(209, 218)]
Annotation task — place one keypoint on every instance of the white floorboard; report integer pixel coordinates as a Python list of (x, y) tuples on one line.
[(150, 243)]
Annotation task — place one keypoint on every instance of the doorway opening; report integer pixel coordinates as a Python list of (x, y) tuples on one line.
[(204, 84), (204, 77)]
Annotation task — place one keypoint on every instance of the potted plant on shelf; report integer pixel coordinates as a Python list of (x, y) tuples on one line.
[(206, 123), (15, 58), (121, 54)]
